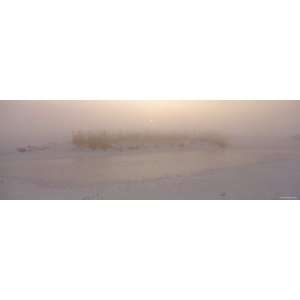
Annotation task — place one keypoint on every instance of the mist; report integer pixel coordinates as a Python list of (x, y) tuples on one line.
[(49, 121), (149, 149)]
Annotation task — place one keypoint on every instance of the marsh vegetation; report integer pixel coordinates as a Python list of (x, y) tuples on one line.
[(103, 140)]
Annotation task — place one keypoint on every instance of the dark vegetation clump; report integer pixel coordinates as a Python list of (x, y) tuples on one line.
[(134, 140), (296, 137), (91, 140), (30, 148), (215, 139)]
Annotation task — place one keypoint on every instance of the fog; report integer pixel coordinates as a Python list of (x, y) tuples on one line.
[(46, 121)]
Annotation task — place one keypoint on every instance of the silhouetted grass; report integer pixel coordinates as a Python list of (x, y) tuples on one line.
[(134, 140), (91, 140), (215, 139)]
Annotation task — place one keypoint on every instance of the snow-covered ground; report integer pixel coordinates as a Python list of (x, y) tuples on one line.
[(60, 171)]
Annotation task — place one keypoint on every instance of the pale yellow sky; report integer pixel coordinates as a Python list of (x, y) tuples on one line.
[(45, 119)]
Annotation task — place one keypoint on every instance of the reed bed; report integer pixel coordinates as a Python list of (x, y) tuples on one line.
[(103, 140)]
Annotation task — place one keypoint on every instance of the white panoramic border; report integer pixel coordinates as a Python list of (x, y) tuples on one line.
[(149, 50), (149, 250)]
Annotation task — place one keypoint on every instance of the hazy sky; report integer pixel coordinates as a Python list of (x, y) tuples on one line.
[(33, 120)]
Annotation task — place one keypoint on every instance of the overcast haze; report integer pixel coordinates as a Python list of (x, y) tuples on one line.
[(33, 121)]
